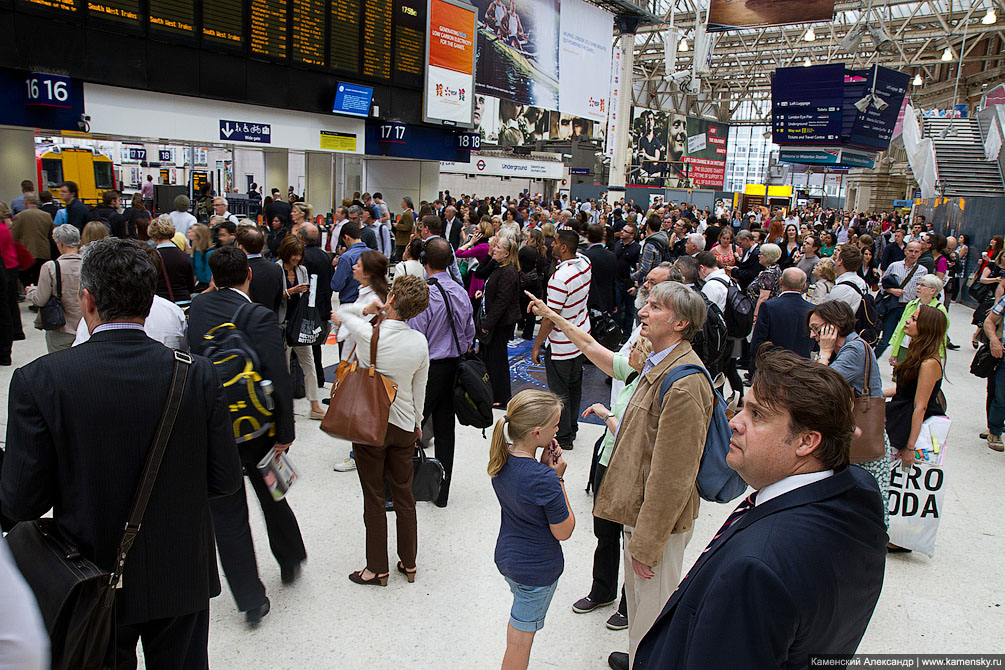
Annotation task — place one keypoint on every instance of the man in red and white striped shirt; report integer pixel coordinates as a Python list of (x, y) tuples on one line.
[(568, 290)]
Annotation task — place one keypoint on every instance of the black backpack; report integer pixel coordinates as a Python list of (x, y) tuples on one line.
[(739, 313), (711, 343), (867, 322), (472, 389), (249, 397)]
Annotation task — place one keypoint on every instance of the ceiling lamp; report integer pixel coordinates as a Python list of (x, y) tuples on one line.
[(990, 17), (882, 41), (683, 44), (947, 55), (810, 36), (917, 79), (807, 62), (851, 41)]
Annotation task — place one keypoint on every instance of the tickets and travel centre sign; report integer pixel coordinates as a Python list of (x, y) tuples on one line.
[(449, 98), (505, 167)]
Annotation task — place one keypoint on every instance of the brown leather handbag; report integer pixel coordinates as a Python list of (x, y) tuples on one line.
[(870, 417), (360, 400)]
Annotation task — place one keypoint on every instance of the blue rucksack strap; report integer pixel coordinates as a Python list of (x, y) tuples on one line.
[(680, 372)]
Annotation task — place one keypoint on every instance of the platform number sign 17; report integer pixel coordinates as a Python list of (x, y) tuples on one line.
[(48, 90)]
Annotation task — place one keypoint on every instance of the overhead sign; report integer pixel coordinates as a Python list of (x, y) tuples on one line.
[(450, 63), (165, 155), (807, 104), (335, 141), (353, 100), (579, 171), (48, 90), (506, 167), (136, 153), (838, 158), (243, 131), (403, 140), (729, 15), (469, 141), (873, 128)]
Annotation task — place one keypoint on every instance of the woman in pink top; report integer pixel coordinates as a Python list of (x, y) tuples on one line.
[(477, 247), (10, 326), (725, 251)]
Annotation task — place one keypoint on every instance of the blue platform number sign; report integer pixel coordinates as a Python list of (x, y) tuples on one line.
[(137, 153), (164, 155), (395, 133), (48, 90), (244, 131), (469, 142)]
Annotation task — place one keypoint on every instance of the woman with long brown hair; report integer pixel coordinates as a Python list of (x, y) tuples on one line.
[(295, 288)]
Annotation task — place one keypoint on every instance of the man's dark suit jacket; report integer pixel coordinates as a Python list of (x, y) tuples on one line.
[(748, 268), (279, 208), (267, 283), (80, 423), (605, 270), (318, 263), (782, 321), (797, 575), (211, 308), (454, 231)]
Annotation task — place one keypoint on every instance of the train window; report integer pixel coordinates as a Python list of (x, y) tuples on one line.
[(103, 178), (52, 172)]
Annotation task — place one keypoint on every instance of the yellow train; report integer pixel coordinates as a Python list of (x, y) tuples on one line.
[(93, 172)]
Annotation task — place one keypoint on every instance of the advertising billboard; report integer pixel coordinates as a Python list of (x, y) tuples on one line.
[(731, 14), (585, 61), (511, 124), (450, 63), (672, 150)]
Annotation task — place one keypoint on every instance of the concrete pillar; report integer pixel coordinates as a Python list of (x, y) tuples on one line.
[(17, 161), (619, 162), (277, 171), (320, 175)]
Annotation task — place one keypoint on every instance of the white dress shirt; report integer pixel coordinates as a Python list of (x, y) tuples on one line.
[(790, 483), (24, 643), (716, 291)]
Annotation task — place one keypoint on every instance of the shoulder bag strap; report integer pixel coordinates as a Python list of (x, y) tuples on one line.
[(373, 344), (910, 274), (867, 380), (167, 281), (182, 363), (59, 281), (450, 312)]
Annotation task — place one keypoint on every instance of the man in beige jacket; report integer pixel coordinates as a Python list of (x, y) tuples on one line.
[(650, 482)]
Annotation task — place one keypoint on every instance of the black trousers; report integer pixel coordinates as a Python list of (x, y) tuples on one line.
[(319, 367), (233, 532), (178, 643), (495, 355), (607, 555), (16, 329), (565, 379), (7, 278), (29, 277), (440, 407)]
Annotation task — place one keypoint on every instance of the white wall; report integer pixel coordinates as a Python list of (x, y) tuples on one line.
[(487, 186), (396, 178)]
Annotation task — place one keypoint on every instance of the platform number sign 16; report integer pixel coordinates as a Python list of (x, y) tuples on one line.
[(48, 90)]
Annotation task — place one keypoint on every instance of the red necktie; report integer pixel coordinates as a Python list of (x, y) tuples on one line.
[(741, 509)]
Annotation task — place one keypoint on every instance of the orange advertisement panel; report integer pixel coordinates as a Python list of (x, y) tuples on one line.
[(451, 37)]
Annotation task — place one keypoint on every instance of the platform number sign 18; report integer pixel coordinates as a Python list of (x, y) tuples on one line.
[(469, 142), (48, 90)]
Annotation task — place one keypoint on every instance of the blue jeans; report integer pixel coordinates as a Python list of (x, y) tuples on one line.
[(890, 322), (530, 605), (996, 413)]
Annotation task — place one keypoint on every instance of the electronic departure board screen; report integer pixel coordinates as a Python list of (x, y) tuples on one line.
[(377, 35), (68, 8), (223, 23), (123, 13), (172, 17), (268, 28), (409, 41), (308, 44), (344, 38)]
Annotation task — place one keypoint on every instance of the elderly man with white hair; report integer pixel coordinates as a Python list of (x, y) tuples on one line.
[(220, 205)]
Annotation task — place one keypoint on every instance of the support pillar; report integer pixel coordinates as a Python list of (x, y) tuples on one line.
[(277, 171), (619, 162), (320, 181), (17, 161)]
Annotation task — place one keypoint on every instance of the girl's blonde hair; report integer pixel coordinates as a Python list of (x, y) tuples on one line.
[(527, 410), (203, 240)]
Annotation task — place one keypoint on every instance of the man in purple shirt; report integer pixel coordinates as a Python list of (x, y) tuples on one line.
[(450, 331)]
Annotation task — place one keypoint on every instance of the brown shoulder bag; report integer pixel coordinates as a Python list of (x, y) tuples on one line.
[(870, 417), (360, 400)]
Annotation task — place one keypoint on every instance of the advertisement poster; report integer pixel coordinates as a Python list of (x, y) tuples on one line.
[(613, 125), (704, 162), (730, 14), (672, 150), (450, 64), (585, 60), (648, 147), (518, 50)]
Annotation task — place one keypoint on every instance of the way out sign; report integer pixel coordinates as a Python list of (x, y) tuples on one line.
[(916, 506), (245, 131)]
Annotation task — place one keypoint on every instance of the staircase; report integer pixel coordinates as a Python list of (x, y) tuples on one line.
[(959, 154)]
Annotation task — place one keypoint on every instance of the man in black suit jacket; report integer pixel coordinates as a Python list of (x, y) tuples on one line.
[(318, 263), (278, 207), (750, 263), (782, 319), (80, 423), (605, 270), (452, 226), (267, 280), (797, 570), (232, 277)]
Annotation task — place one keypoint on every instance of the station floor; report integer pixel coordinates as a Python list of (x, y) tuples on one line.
[(455, 614)]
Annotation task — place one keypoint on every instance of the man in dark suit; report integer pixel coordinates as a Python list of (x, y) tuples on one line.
[(452, 226), (605, 270), (267, 280), (626, 253), (750, 262), (278, 207), (232, 277), (782, 320), (798, 567), (317, 263), (72, 448)]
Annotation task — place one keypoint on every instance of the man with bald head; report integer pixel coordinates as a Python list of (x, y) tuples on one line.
[(784, 322)]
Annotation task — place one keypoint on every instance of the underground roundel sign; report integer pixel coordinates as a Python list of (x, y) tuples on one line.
[(480, 165)]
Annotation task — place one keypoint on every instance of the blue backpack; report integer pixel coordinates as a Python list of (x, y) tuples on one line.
[(717, 482)]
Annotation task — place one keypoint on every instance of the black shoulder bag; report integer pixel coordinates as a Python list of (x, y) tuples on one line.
[(51, 314), (75, 596)]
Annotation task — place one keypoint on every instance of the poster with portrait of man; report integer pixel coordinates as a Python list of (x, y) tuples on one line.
[(573, 128), (521, 124), (486, 118), (648, 147)]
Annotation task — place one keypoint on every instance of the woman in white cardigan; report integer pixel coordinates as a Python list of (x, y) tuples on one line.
[(296, 287), (403, 357)]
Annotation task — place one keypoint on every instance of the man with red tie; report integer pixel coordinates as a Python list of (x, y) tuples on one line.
[(796, 570)]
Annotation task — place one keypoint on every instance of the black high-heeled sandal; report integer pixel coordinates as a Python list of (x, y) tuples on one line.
[(410, 574), (376, 580)]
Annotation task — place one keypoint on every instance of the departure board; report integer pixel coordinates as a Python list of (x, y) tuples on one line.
[(122, 12), (377, 35), (173, 17), (344, 38), (222, 22), (268, 28), (409, 41), (68, 8), (308, 40)]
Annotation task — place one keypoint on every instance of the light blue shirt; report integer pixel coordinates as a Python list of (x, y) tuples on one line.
[(657, 357)]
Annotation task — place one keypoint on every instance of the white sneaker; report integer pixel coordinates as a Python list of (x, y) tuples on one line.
[(348, 465)]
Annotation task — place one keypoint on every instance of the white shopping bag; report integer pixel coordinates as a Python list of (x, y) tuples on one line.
[(917, 494)]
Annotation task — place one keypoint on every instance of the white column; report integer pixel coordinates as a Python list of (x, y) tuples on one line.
[(277, 171), (619, 163), (320, 181), (17, 161)]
